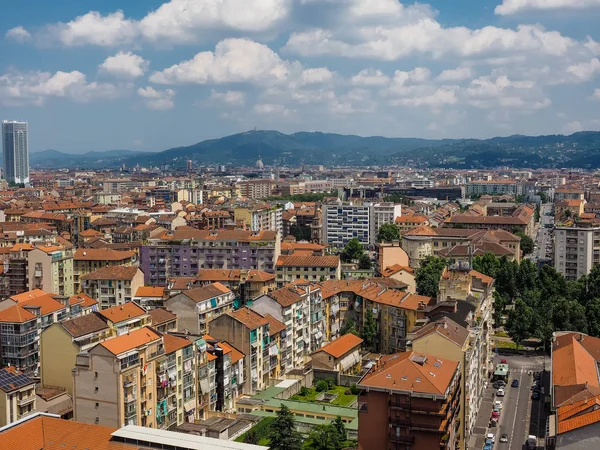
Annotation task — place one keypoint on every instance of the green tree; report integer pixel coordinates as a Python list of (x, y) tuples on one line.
[(324, 437), (364, 262), (283, 435), (526, 243), (593, 317), (428, 275), (353, 250), (369, 333), (388, 232), (487, 264), (519, 322), (527, 276), (340, 428), (349, 326), (251, 437)]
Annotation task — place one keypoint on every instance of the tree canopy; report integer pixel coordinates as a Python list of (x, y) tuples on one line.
[(352, 250), (369, 333), (388, 232), (364, 262), (428, 275), (283, 435), (526, 243)]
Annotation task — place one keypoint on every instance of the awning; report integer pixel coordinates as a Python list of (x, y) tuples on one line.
[(172, 373), (273, 350), (190, 406)]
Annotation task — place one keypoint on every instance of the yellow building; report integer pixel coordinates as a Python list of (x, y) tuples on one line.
[(17, 395), (112, 286), (87, 260), (51, 269)]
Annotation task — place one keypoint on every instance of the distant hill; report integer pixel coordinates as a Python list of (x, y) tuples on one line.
[(54, 159), (577, 150)]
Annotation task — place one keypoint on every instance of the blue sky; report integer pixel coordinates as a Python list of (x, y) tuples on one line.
[(151, 75)]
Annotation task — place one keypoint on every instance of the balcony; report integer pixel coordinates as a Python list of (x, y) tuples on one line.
[(25, 400), (399, 439)]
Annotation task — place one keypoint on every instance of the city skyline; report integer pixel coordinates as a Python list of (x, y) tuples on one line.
[(429, 70)]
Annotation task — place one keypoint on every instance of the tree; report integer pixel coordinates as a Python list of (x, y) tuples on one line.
[(388, 232), (364, 262), (593, 317), (428, 275), (349, 326), (353, 250), (251, 437), (324, 437), (338, 425), (369, 333), (487, 264), (283, 435), (526, 243), (519, 322)]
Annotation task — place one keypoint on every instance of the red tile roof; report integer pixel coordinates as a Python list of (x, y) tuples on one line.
[(123, 312), (248, 317), (150, 291), (130, 341), (342, 345)]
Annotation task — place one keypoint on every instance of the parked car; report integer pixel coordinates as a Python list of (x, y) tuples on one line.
[(499, 384), (503, 361), (515, 383), (495, 414), (498, 404), (535, 395), (504, 437), (500, 392), (491, 437)]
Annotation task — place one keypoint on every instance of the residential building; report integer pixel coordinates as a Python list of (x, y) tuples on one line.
[(566, 209), (227, 368), (290, 268), (576, 250), (15, 276), (389, 254), (342, 355), (50, 431), (345, 221), (196, 308), (263, 217), (522, 221), (15, 150), (256, 189), (112, 285), (184, 251), (87, 260), (403, 274), (247, 331), (150, 296), (410, 400), (246, 284), (301, 308), (493, 187), (445, 338), (568, 193), (17, 396), (125, 318), (50, 267), (162, 320), (409, 221), (384, 213), (277, 337)]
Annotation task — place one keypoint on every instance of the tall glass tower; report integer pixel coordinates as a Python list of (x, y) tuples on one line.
[(15, 151)]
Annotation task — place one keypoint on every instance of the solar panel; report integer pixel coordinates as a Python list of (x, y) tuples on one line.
[(10, 381)]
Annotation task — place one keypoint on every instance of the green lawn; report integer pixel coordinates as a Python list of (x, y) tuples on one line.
[(341, 400), (509, 345), (503, 334)]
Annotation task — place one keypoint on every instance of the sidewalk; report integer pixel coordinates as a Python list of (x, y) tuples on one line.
[(483, 419)]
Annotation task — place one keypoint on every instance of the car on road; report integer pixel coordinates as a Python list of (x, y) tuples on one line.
[(488, 446), (535, 395), (495, 414), (500, 392), (503, 361), (499, 384), (498, 404), (515, 383), (504, 437), (491, 437), (537, 375)]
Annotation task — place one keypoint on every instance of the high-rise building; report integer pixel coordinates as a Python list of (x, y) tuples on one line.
[(15, 150)]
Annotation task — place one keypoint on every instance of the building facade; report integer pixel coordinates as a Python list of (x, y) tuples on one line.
[(15, 151), (576, 250)]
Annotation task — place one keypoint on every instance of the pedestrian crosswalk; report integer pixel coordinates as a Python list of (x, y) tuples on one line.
[(527, 369)]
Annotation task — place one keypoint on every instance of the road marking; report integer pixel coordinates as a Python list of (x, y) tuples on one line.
[(512, 431)]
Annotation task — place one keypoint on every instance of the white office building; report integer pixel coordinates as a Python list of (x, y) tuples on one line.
[(15, 151)]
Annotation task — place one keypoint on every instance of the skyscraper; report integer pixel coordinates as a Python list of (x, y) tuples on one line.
[(15, 151)]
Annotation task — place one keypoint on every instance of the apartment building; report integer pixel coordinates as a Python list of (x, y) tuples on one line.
[(521, 221), (229, 363), (50, 267), (576, 250), (21, 325), (15, 276), (290, 268), (445, 338), (410, 221), (247, 331), (112, 285), (86, 260), (256, 189), (260, 217), (120, 185), (277, 336), (206, 376), (342, 355), (150, 296), (410, 400), (301, 308), (246, 284), (196, 308), (162, 320), (184, 251), (140, 378), (385, 212), (17, 395), (493, 187), (567, 193)]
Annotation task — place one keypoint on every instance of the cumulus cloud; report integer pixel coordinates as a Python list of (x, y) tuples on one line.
[(316, 76), (596, 94), (125, 65), (586, 70), (34, 88), (18, 34), (458, 74), (272, 109), (233, 61), (95, 29), (234, 98), (370, 77), (158, 100), (516, 6)]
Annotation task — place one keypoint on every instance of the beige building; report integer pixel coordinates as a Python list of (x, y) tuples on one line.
[(290, 268), (256, 189), (17, 396), (113, 285), (404, 274), (389, 254), (51, 269), (576, 250), (247, 284), (87, 260), (341, 355), (196, 308)]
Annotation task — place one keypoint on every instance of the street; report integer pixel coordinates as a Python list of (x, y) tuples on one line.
[(544, 237), (520, 416)]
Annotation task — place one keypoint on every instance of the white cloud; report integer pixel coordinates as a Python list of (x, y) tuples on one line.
[(272, 109), (370, 77), (445, 95), (33, 88), (515, 6), (458, 74), (596, 94), (18, 34), (585, 71), (314, 96), (235, 98), (125, 65), (158, 100), (572, 127), (317, 75), (233, 61), (176, 21)]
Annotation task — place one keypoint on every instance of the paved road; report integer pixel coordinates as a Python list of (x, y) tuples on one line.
[(544, 237), (516, 416)]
